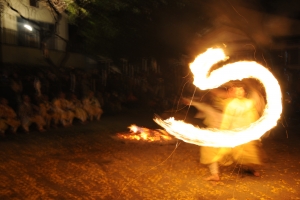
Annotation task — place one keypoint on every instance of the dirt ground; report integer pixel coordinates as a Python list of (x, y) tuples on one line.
[(84, 162)]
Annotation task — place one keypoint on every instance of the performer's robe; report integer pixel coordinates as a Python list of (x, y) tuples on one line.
[(237, 113)]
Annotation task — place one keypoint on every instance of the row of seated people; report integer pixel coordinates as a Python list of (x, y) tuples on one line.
[(45, 113)]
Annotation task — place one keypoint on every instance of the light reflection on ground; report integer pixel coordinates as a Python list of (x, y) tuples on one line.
[(83, 161)]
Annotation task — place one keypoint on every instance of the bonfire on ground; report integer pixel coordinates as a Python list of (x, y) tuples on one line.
[(142, 134)]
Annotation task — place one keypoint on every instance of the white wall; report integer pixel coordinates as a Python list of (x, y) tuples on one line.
[(42, 14)]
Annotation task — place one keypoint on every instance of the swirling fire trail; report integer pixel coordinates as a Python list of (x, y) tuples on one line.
[(234, 71)]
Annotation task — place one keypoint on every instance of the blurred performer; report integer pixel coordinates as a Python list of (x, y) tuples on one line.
[(232, 110), (8, 117), (29, 113), (92, 106), (77, 108), (62, 107)]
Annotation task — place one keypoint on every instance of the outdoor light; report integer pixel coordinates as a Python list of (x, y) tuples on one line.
[(28, 27)]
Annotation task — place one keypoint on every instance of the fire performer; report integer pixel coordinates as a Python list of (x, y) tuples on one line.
[(240, 127), (238, 111)]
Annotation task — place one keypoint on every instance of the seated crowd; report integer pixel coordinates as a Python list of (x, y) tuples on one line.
[(45, 114), (35, 99)]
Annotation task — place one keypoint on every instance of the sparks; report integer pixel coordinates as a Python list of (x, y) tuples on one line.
[(234, 71)]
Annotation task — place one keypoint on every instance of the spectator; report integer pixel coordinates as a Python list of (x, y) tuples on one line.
[(8, 116), (92, 106), (29, 113), (62, 108), (77, 108), (47, 111), (17, 88)]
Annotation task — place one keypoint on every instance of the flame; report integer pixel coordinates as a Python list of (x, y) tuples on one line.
[(145, 134), (234, 71)]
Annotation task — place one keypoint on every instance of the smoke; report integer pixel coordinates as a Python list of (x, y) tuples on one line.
[(281, 26)]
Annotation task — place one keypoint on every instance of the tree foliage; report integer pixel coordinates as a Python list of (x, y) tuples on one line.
[(149, 27)]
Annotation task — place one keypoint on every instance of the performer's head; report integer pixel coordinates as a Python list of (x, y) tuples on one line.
[(237, 92), (237, 89)]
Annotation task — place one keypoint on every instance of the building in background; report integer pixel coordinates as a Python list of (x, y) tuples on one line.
[(31, 35)]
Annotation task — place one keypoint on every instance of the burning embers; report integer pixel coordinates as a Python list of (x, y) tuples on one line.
[(137, 133)]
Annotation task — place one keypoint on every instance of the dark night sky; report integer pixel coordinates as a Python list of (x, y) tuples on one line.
[(173, 31)]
